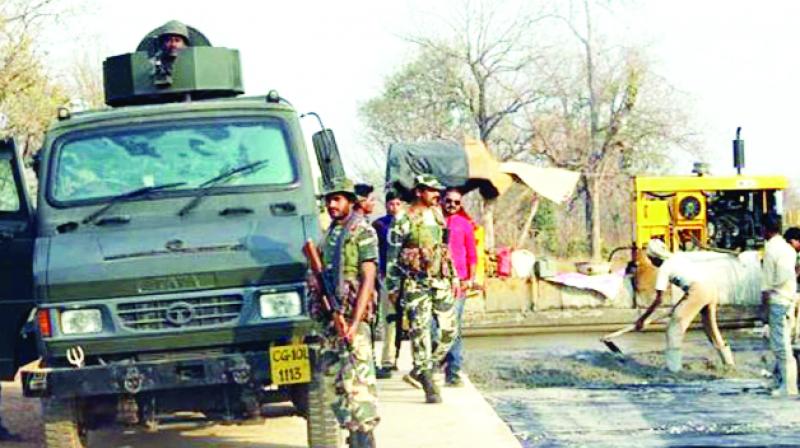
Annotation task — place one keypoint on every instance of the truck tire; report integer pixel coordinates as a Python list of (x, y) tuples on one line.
[(298, 393), (63, 427), (323, 428)]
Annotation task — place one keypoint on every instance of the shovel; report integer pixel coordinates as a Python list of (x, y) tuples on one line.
[(607, 339)]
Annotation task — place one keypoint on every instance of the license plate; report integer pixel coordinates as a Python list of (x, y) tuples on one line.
[(290, 364)]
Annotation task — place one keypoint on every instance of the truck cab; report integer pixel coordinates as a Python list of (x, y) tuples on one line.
[(164, 259)]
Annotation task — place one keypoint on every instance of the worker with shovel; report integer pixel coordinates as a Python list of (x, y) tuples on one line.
[(700, 295)]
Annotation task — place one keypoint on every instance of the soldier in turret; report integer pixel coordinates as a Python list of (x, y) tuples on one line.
[(420, 272), (170, 38), (173, 37), (350, 257), (173, 41)]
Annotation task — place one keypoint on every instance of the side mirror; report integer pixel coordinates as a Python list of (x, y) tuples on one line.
[(330, 162)]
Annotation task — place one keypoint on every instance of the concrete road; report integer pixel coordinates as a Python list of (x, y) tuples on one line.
[(567, 390)]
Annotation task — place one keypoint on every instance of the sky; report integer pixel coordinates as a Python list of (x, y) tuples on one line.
[(735, 60)]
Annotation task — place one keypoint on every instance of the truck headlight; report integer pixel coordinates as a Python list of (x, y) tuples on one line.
[(280, 304), (81, 321)]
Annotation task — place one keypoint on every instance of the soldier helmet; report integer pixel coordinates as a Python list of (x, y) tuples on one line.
[(429, 181), (174, 27), (657, 249), (341, 185)]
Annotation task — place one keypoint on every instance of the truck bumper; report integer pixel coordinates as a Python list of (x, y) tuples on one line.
[(245, 369)]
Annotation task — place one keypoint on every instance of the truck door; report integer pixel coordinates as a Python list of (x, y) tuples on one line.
[(16, 259)]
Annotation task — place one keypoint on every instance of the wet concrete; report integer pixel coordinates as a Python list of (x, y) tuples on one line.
[(569, 390)]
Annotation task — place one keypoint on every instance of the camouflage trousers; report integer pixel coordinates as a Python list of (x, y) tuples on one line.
[(356, 404), (422, 304)]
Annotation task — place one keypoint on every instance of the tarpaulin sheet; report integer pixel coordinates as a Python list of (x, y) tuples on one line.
[(608, 285), (555, 184), (470, 165), (737, 278), (455, 165), (446, 160)]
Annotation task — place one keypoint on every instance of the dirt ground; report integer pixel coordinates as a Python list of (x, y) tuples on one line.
[(282, 429)]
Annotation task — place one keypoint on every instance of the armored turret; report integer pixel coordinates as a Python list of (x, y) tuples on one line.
[(174, 62)]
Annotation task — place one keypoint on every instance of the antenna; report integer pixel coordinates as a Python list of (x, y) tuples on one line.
[(738, 152)]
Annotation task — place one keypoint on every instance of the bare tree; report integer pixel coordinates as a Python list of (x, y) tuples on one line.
[(473, 82), (575, 102), (86, 82), (494, 59), (607, 114)]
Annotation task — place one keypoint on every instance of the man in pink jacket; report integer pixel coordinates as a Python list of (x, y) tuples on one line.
[(461, 238)]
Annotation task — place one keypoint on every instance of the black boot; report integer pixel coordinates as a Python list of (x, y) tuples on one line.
[(431, 390), (383, 373), (414, 378), (361, 439)]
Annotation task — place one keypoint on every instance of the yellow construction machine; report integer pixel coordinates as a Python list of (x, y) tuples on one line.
[(704, 211)]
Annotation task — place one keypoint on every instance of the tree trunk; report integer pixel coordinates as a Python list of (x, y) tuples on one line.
[(593, 210), (488, 223), (523, 234), (587, 207)]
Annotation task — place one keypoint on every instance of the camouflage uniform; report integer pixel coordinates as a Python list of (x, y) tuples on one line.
[(419, 264), (357, 397)]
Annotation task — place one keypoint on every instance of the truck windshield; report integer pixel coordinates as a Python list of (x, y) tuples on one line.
[(108, 164)]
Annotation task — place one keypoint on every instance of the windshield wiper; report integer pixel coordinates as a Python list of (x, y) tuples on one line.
[(206, 186), (128, 196)]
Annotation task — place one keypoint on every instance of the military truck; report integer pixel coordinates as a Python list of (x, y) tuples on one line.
[(164, 258)]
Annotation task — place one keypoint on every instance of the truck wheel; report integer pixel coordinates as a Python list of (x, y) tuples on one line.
[(299, 396), (323, 428), (63, 427)]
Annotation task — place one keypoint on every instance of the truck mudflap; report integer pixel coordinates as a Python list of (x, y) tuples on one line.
[(253, 369)]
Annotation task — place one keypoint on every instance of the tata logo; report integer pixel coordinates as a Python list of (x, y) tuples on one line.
[(179, 314), (175, 283)]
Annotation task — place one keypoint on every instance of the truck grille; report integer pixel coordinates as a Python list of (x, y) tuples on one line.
[(195, 312)]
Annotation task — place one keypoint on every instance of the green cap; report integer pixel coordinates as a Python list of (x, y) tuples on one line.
[(341, 185), (174, 27), (427, 180)]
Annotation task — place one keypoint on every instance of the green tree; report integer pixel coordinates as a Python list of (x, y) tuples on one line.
[(420, 101)]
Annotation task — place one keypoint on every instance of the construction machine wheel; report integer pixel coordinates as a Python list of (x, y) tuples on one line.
[(63, 425)]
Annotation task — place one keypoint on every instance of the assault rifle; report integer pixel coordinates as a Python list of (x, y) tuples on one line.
[(330, 303)]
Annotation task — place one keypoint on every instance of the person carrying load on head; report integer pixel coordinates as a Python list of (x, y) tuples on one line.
[(700, 296), (420, 272)]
